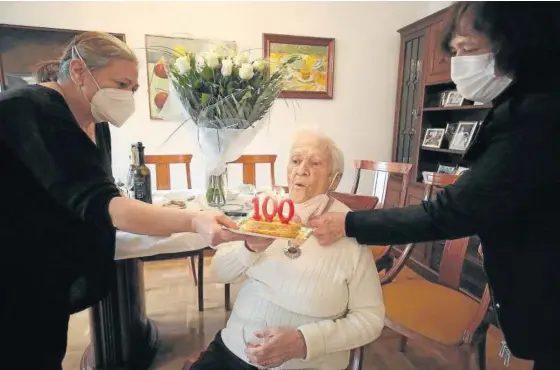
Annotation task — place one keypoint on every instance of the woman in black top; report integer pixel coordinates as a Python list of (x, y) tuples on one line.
[(60, 206), (506, 53)]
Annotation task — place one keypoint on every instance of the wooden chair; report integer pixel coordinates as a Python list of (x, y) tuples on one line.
[(356, 359), (249, 163), (381, 253), (438, 313), (163, 182)]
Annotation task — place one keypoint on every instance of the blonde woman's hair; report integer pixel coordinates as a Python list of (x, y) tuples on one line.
[(97, 49)]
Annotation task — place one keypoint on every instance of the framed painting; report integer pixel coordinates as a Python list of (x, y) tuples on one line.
[(312, 72), (22, 48), (158, 49)]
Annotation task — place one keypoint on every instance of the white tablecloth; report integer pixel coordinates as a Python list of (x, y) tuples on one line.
[(134, 246)]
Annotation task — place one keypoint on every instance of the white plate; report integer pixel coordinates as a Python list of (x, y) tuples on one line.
[(179, 195)]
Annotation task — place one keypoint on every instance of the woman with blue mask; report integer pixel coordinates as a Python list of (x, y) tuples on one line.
[(507, 54), (61, 208)]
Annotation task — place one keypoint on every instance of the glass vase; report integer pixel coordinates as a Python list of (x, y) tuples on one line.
[(216, 190)]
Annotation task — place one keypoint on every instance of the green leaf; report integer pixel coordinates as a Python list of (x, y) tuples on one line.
[(207, 73), (204, 98)]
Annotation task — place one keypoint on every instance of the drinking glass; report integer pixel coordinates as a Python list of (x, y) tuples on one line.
[(250, 328)]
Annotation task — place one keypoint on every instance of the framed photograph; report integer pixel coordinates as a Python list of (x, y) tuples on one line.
[(453, 99), (433, 138), (157, 49), (460, 170), (442, 168), (463, 136), (450, 130), (23, 48), (313, 68)]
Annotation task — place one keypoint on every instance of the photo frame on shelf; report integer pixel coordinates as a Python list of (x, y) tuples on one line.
[(447, 169), (433, 138), (450, 130), (460, 170), (453, 99), (463, 136), (313, 70)]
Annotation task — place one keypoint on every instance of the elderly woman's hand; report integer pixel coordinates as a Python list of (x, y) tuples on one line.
[(329, 227), (209, 225), (280, 345)]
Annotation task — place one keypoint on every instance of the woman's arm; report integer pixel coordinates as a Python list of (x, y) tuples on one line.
[(232, 260), (365, 318)]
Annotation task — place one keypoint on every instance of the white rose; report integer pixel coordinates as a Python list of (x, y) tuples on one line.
[(183, 64), (246, 71), (259, 65), (240, 59), (227, 66), (200, 61), (213, 60)]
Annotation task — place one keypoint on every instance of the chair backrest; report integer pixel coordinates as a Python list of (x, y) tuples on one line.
[(162, 162), (356, 202), (387, 167), (436, 180), (249, 167)]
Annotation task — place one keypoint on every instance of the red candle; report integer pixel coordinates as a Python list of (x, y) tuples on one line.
[(256, 209), (269, 216), (291, 211)]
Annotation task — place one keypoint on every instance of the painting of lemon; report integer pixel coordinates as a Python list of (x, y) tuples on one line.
[(309, 70)]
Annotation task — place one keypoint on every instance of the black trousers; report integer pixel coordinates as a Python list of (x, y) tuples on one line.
[(547, 364), (218, 357)]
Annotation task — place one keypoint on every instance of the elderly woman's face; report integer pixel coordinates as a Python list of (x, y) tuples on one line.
[(309, 169)]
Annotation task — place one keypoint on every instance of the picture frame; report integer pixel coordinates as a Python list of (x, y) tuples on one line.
[(450, 130), (463, 136), (312, 73), (433, 138), (443, 168), (162, 108), (453, 99)]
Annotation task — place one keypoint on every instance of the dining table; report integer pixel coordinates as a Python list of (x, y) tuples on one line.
[(122, 335)]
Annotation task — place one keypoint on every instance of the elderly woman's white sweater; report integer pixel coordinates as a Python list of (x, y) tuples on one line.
[(331, 294)]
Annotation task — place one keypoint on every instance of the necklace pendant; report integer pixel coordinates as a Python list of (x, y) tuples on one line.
[(293, 251)]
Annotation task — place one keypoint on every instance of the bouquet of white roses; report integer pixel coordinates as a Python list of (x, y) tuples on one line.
[(226, 97)]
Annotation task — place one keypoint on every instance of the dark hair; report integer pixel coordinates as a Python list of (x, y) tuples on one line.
[(524, 36), (97, 49)]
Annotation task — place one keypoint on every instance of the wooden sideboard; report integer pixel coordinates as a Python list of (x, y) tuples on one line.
[(423, 73)]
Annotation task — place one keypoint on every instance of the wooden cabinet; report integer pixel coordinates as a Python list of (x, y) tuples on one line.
[(438, 68)]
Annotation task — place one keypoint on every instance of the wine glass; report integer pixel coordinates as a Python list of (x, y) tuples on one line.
[(250, 328)]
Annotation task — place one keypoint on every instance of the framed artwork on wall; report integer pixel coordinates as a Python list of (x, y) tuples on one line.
[(158, 49), (22, 48), (313, 69)]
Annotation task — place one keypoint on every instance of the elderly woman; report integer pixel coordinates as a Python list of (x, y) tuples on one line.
[(317, 306)]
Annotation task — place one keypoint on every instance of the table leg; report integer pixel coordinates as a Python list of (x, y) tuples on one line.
[(121, 334)]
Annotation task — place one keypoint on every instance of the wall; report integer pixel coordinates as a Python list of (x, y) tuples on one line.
[(360, 118)]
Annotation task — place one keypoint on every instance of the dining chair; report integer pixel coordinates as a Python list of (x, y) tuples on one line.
[(163, 182), (382, 171), (249, 163)]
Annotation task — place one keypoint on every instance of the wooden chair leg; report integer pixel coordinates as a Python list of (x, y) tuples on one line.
[(481, 353), (193, 269), (227, 297), (201, 280), (402, 343)]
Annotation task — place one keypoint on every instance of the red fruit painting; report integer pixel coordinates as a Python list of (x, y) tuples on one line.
[(160, 99), (159, 70)]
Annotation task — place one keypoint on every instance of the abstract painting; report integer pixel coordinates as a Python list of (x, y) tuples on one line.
[(158, 49), (313, 66)]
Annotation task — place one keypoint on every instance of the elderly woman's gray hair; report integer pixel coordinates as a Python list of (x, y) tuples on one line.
[(337, 157)]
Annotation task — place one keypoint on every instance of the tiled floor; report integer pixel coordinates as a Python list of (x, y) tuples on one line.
[(172, 305)]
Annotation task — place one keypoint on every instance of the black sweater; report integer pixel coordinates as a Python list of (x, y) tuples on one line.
[(59, 239), (508, 198)]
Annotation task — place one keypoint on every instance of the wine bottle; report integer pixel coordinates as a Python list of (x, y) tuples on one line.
[(142, 178), (133, 157)]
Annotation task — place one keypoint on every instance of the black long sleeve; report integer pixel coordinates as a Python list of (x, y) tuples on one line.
[(503, 183), (60, 157)]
